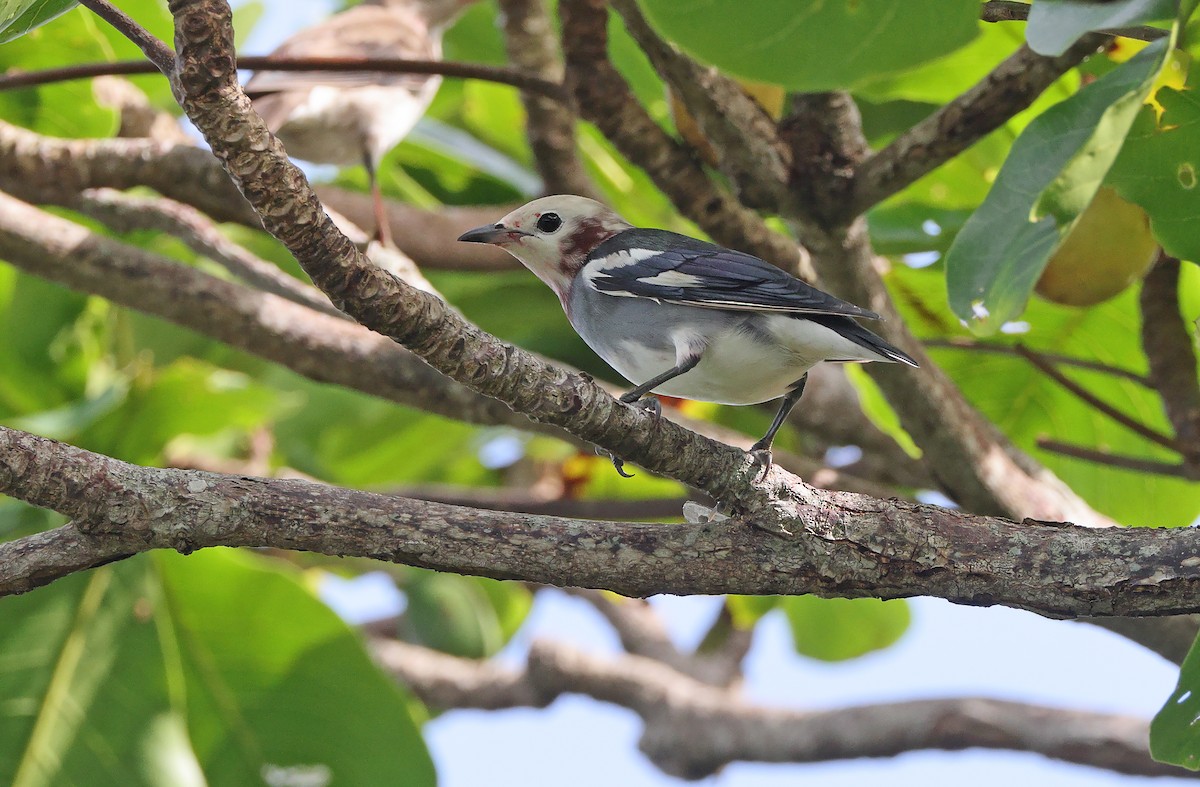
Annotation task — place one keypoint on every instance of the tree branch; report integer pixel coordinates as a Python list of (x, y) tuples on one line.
[(1007, 11), (531, 43), (1010, 87), (125, 213), (974, 345), (692, 729), (1093, 401), (524, 81), (606, 100), (155, 51), (1135, 463), (850, 545), (743, 136), (1170, 350)]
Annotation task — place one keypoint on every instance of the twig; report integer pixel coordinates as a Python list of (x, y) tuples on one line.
[(522, 502), (1006, 11), (1087, 397), (124, 213), (505, 76), (532, 44), (974, 345), (1171, 353), (1151, 466), (1009, 88), (158, 53)]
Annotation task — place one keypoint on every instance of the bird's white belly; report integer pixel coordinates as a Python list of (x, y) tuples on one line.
[(736, 368)]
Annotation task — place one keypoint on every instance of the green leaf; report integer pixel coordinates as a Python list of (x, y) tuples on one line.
[(1054, 25), (748, 610), (157, 671), (877, 409), (1159, 170), (1027, 404), (18, 17), (1175, 730), (1049, 177), (836, 629), (455, 615), (814, 45)]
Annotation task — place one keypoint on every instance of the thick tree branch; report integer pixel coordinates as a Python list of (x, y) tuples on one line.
[(851, 545), (1009, 88), (692, 729), (532, 44), (1170, 350)]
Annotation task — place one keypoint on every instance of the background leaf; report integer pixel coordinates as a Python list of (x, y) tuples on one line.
[(836, 629), (813, 45)]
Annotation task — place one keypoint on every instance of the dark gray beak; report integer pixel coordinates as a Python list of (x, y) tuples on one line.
[(492, 233)]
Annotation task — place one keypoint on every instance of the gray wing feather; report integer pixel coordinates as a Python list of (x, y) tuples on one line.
[(677, 269)]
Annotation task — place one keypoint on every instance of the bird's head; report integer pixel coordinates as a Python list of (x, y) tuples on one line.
[(552, 236)]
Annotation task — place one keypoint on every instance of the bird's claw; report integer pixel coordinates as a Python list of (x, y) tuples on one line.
[(617, 462), (762, 457), (648, 403)]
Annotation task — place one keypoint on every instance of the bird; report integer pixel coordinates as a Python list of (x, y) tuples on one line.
[(346, 118), (683, 317)]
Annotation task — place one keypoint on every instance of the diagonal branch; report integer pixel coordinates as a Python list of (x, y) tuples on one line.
[(852, 545), (1096, 403), (125, 213), (1010, 87), (743, 136), (692, 730)]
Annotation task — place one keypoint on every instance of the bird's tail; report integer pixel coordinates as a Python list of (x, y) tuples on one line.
[(862, 337)]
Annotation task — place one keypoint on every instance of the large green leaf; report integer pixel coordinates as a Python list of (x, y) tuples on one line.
[(1159, 170), (1175, 730), (812, 44), (18, 17), (1049, 177), (216, 668), (1026, 404), (472, 617), (836, 629), (1054, 25)]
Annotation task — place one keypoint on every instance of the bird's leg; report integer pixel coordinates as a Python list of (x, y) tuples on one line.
[(685, 365), (383, 230), (634, 397), (761, 451)]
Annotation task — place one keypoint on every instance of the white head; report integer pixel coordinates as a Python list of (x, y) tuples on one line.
[(552, 236)]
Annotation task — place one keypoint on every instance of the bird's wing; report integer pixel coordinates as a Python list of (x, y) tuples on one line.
[(672, 268), (362, 31)]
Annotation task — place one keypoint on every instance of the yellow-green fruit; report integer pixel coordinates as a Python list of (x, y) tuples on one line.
[(769, 97), (1109, 248)]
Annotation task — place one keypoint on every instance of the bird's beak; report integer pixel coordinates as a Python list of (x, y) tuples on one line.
[(491, 233)]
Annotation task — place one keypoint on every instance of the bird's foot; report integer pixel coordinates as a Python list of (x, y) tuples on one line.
[(760, 452), (617, 462), (648, 403)]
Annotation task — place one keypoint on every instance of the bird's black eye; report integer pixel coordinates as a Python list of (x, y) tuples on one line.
[(549, 222)]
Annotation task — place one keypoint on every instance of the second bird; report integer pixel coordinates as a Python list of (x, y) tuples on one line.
[(347, 118), (682, 317)]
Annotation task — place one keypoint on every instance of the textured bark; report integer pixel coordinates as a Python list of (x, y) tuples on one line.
[(692, 730), (531, 43), (846, 545)]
